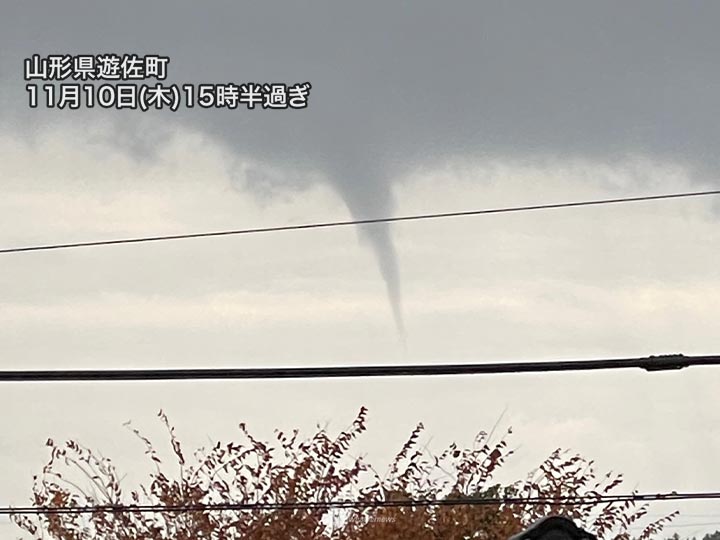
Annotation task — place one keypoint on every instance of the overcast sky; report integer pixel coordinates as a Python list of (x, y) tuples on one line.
[(415, 107)]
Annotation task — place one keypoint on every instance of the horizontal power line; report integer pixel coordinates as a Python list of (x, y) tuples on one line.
[(470, 501), (648, 363), (685, 525), (329, 224)]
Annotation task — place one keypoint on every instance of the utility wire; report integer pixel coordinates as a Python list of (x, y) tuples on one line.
[(648, 363), (528, 501), (329, 224), (683, 525)]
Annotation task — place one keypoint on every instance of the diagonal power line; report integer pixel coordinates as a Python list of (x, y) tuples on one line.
[(648, 363), (331, 224)]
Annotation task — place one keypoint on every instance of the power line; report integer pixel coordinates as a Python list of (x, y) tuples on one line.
[(691, 516), (470, 501), (329, 224), (648, 363), (686, 525)]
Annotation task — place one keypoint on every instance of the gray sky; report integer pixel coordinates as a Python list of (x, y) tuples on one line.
[(415, 107)]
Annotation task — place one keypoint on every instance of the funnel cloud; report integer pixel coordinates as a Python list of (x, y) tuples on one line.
[(401, 85)]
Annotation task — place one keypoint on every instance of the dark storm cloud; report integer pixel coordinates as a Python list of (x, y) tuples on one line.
[(396, 84)]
